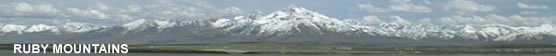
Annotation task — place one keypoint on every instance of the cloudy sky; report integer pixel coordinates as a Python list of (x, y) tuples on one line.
[(510, 12)]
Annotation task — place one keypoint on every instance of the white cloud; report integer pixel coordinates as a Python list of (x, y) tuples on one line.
[(467, 7), (399, 20), (514, 20), (131, 9), (232, 11), (473, 20), (372, 9), (190, 10), (97, 13), (530, 6), (371, 19), (425, 21), (26, 9), (407, 6), (23, 7), (528, 12), (91, 13), (46, 8), (462, 20), (396, 6), (41, 8), (101, 6), (427, 2), (110, 12)]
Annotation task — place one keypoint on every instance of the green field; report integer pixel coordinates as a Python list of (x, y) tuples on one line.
[(291, 48)]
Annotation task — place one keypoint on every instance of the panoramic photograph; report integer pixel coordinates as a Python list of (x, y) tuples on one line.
[(277, 27)]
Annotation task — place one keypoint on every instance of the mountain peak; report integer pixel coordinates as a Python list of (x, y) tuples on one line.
[(142, 24), (294, 14), (299, 9), (40, 27), (79, 27), (13, 27), (286, 22)]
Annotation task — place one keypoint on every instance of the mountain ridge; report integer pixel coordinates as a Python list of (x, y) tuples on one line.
[(295, 25)]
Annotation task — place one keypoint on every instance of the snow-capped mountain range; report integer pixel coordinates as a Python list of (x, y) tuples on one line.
[(295, 25)]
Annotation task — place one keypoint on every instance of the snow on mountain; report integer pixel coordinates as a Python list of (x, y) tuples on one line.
[(163, 24), (529, 33), (13, 28), (494, 32), (294, 23), (285, 21), (142, 24), (40, 28), (79, 27), (137, 25)]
